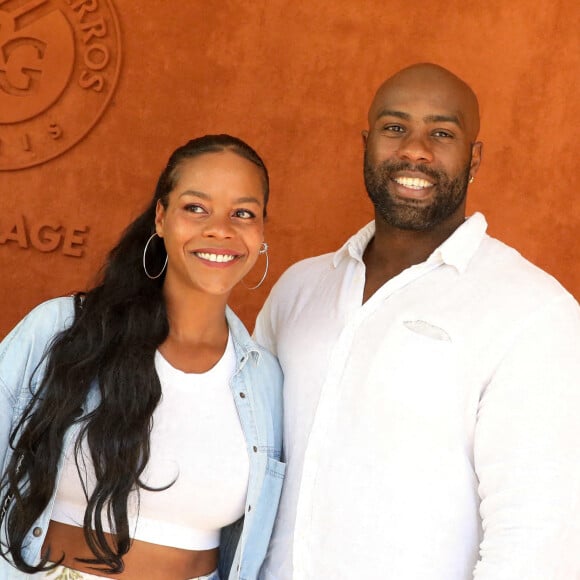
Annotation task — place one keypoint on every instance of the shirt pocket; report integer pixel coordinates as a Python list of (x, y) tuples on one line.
[(419, 371)]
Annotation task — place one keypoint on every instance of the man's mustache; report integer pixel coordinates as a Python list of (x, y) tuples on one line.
[(403, 166)]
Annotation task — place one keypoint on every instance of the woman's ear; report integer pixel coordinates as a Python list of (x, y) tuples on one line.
[(159, 218)]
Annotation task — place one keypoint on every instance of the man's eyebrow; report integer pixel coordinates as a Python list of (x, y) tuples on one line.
[(392, 113), (428, 119), (443, 119)]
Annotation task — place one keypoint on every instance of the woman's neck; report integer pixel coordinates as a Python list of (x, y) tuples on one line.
[(198, 330)]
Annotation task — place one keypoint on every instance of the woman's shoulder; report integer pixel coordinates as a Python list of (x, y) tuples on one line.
[(51, 316), (264, 361), (267, 363), (26, 345), (38, 327)]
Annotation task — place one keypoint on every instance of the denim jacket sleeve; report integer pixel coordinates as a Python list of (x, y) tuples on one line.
[(257, 391), (21, 352), (21, 371)]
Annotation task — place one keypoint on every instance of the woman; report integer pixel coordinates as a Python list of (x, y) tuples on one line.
[(140, 426)]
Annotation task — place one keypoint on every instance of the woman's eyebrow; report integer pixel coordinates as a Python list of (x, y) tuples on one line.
[(195, 193), (207, 197)]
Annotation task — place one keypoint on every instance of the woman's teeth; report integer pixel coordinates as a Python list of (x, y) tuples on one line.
[(215, 257)]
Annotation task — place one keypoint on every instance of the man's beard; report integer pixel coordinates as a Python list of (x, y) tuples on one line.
[(410, 214)]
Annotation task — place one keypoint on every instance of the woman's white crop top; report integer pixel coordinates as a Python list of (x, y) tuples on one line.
[(197, 441)]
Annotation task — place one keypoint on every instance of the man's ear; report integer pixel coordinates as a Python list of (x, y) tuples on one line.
[(476, 155), (365, 136)]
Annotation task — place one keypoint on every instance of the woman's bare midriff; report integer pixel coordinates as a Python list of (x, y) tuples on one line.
[(144, 560)]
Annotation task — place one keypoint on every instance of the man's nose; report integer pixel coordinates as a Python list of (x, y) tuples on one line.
[(415, 148)]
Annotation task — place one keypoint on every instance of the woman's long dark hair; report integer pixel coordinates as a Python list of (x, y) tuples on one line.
[(110, 347)]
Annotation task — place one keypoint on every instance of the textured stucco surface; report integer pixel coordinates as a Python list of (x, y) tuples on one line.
[(294, 78)]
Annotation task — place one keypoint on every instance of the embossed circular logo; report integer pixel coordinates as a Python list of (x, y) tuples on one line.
[(59, 65)]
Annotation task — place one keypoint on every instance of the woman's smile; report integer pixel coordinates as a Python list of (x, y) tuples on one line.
[(217, 257)]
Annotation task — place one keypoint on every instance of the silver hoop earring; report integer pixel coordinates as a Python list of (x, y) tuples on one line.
[(145, 254), (263, 250)]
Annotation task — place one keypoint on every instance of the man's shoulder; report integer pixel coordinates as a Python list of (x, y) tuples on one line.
[(505, 267), (313, 264), (306, 271)]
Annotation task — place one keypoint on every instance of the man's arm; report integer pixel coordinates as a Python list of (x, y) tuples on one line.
[(527, 452), (264, 333)]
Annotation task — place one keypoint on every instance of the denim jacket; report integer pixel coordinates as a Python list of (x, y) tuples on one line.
[(256, 387)]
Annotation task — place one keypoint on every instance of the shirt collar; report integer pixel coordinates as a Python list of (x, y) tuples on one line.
[(457, 250), (355, 245)]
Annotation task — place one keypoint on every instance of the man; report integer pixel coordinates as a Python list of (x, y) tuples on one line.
[(432, 375)]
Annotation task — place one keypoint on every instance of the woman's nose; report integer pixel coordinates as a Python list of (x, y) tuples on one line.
[(218, 226)]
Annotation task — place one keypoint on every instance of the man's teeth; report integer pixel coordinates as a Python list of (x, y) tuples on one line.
[(413, 182), (215, 257)]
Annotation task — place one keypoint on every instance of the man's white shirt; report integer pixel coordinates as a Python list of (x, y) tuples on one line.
[(433, 432)]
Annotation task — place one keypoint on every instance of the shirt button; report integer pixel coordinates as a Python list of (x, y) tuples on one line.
[(249, 508), (243, 395), (37, 532)]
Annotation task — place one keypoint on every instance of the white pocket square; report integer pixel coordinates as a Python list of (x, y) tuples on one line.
[(426, 329)]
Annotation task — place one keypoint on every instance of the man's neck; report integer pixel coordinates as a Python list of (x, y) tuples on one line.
[(393, 250)]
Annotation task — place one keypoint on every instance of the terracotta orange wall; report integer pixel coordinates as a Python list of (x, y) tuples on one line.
[(294, 78)]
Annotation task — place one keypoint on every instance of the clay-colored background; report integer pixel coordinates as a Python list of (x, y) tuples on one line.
[(294, 78)]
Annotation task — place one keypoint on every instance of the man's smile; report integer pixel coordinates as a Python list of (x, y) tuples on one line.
[(412, 182)]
